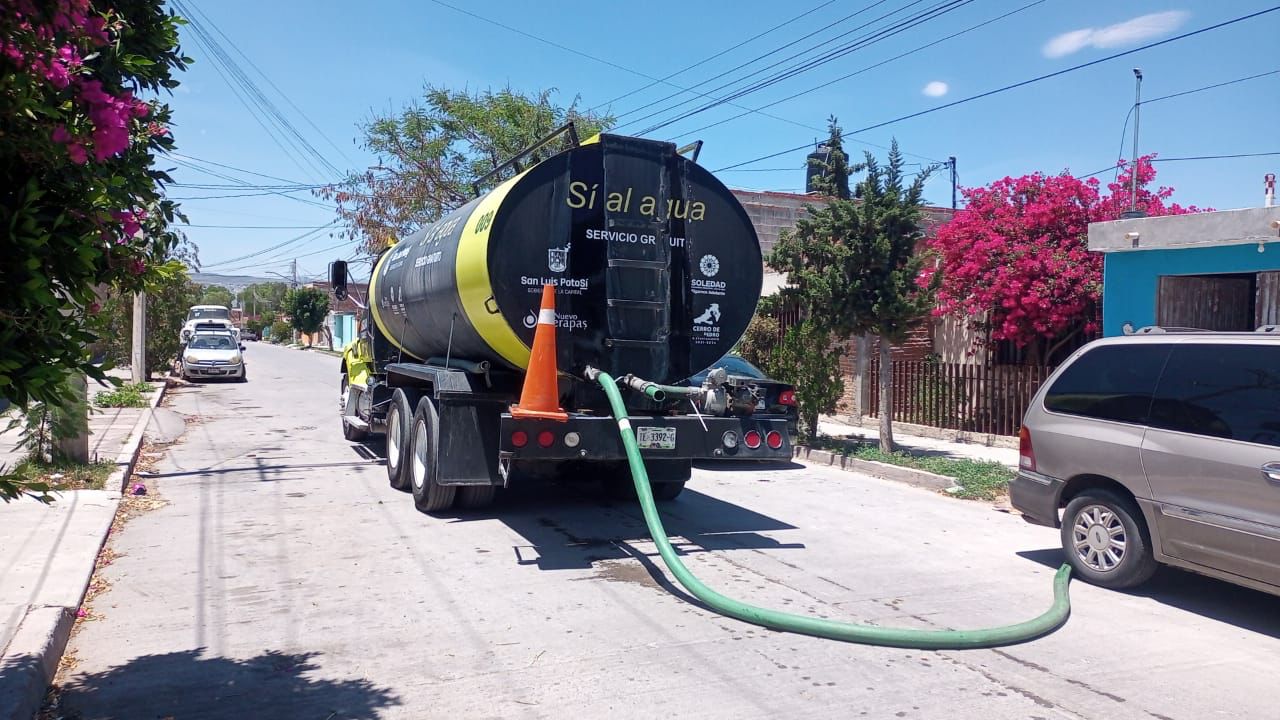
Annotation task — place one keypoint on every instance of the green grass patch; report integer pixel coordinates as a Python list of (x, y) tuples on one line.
[(63, 475), (133, 395), (978, 479)]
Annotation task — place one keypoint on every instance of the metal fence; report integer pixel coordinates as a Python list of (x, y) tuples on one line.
[(973, 398)]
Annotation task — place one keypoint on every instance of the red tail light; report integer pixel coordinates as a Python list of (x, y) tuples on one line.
[(774, 438), (546, 438), (752, 439), (519, 438), (1026, 453), (787, 397)]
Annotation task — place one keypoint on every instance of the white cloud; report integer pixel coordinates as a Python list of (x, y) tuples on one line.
[(937, 88), (1129, 32)]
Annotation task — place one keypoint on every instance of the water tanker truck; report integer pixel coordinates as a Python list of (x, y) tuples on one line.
[(484, 330)]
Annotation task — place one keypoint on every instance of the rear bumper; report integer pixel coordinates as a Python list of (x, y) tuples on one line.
[(212, 370), (1036, 497), (599, 438)]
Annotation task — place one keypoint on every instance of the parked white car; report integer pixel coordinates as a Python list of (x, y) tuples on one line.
[(213, 355), (208, 317)]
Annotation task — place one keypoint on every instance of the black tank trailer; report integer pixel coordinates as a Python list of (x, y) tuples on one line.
[(656, 270)]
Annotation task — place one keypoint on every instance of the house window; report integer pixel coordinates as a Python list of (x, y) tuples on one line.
[(1207, 302)]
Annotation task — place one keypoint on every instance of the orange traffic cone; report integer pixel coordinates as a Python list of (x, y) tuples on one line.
[(540, 396)]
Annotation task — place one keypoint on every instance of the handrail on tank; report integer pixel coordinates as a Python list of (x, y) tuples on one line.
[(515, 161), (695, 147)]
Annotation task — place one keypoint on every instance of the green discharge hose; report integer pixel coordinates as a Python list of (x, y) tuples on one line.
[(849, 632)]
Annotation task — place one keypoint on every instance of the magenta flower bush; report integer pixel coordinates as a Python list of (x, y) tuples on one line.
[(1015, 261), (82, 205)]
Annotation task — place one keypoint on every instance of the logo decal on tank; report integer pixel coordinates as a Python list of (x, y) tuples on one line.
[(709, 265), (558, 258)]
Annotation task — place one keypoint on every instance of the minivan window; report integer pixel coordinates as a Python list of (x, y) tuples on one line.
[(1226, 391), (1112, 382)]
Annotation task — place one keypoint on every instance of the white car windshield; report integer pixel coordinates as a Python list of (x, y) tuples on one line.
[(212, 342), (208, 314)]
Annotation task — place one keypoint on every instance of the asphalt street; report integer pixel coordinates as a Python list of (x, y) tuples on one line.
[(285, 579)]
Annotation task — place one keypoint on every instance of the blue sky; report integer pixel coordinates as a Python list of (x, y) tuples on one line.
[(341, 65)]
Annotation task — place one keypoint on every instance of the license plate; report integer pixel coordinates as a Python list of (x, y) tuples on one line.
[(656, 438)]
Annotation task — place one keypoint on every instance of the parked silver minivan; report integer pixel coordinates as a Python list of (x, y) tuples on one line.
[(1160, 447)]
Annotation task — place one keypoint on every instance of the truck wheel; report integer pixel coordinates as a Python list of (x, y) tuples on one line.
[(421, 461), (1105, 540), (474, 497), (666, 479), (352, 434), (666, 490), (399, 434)]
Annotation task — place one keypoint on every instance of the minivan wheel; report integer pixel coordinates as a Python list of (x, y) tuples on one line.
[(1105, 539)]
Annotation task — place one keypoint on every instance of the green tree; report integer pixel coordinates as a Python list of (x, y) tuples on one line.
[(215, 295), (81, 206), (307, 309), (279, 331), (852, 265), (260, 298), (833, 170), (168, 299), (760, 340), (433, 150), (805, 358)]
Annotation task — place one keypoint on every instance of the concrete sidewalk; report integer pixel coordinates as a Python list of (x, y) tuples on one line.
[(50, 553), (921, 445)]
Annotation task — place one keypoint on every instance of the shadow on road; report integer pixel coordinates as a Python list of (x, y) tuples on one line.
[(747, 465), (573, 526), (1205, 596), (193, 684)]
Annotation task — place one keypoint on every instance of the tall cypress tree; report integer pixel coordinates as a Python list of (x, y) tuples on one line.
[(852, 265)]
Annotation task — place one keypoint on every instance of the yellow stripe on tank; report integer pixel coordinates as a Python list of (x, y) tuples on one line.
[(475, 288)]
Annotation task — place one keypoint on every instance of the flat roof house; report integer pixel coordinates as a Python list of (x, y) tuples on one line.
[(1211, 271)]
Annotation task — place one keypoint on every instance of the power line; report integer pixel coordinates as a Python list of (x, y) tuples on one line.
[(1125, 127), (275, 87), (273, 248), (263, 227), (1216, 157), (760, 57), (248, 91), (1109, 168), (234, 168), (612, 64), (709, 58), (241, 183), (1023, 83), (873, 67), (895, 28)]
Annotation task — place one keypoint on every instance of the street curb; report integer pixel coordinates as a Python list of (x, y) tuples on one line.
[(884, 471), (963, 437), (129, 455), (32, 658)]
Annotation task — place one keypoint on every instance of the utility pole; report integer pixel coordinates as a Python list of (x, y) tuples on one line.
[(951, 162), (294, 335), (138, 358), (1133, 211)]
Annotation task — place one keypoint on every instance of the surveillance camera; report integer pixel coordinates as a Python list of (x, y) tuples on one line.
[(1275, 224)]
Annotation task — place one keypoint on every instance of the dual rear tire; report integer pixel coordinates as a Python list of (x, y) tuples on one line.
[(413, 451)]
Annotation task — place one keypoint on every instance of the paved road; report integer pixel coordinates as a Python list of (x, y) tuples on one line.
[(285, 579)]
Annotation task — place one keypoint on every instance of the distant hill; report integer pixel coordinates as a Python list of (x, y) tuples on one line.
[(237, 282)]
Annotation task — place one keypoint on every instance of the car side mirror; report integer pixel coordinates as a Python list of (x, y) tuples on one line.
[(338, 278), (242, 348)]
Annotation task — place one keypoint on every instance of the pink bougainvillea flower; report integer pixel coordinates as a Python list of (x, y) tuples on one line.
[(77, 153)]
